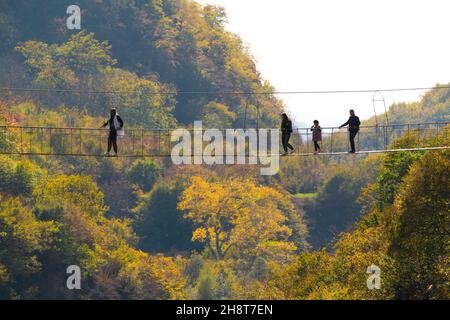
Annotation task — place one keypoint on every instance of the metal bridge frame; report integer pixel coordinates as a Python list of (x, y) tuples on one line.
[(89, 142)]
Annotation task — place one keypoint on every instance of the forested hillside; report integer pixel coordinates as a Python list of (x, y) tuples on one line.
[(433, 107), (138, 46), (404, 231)]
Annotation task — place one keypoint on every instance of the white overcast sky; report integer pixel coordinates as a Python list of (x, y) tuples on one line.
[(309, 45)]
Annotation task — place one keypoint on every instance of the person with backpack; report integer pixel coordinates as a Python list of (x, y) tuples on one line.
[(115, 124)]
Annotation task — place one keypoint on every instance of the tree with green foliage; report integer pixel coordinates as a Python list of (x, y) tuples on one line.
[(84, 62), (143, 173), (22, 239), (218, 116), (421, 230), (336, 207), (395, 167), (160, 224), (206, 288), (140, 104), (19, 178)]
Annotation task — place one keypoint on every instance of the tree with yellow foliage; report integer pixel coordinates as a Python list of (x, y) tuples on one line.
[(237, 218)]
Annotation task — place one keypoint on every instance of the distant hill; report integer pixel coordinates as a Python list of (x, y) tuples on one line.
[(434, 106)]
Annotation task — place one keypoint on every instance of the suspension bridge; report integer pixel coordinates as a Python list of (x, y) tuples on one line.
[(135, 142)]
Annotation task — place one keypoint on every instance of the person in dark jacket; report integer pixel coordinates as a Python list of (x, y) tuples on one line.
[(353, 128), (115, 123), (316, 136), (286, 131)]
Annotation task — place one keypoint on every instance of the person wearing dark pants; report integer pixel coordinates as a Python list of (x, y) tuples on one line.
[(286, 131), (115, 123), (353, 128), (316, 136), (316, 147), (112, 141), (352, 135)]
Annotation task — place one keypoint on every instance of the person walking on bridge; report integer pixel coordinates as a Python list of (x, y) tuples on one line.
[(286, 131), (353, 128), (115, 123), (316, 136)]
